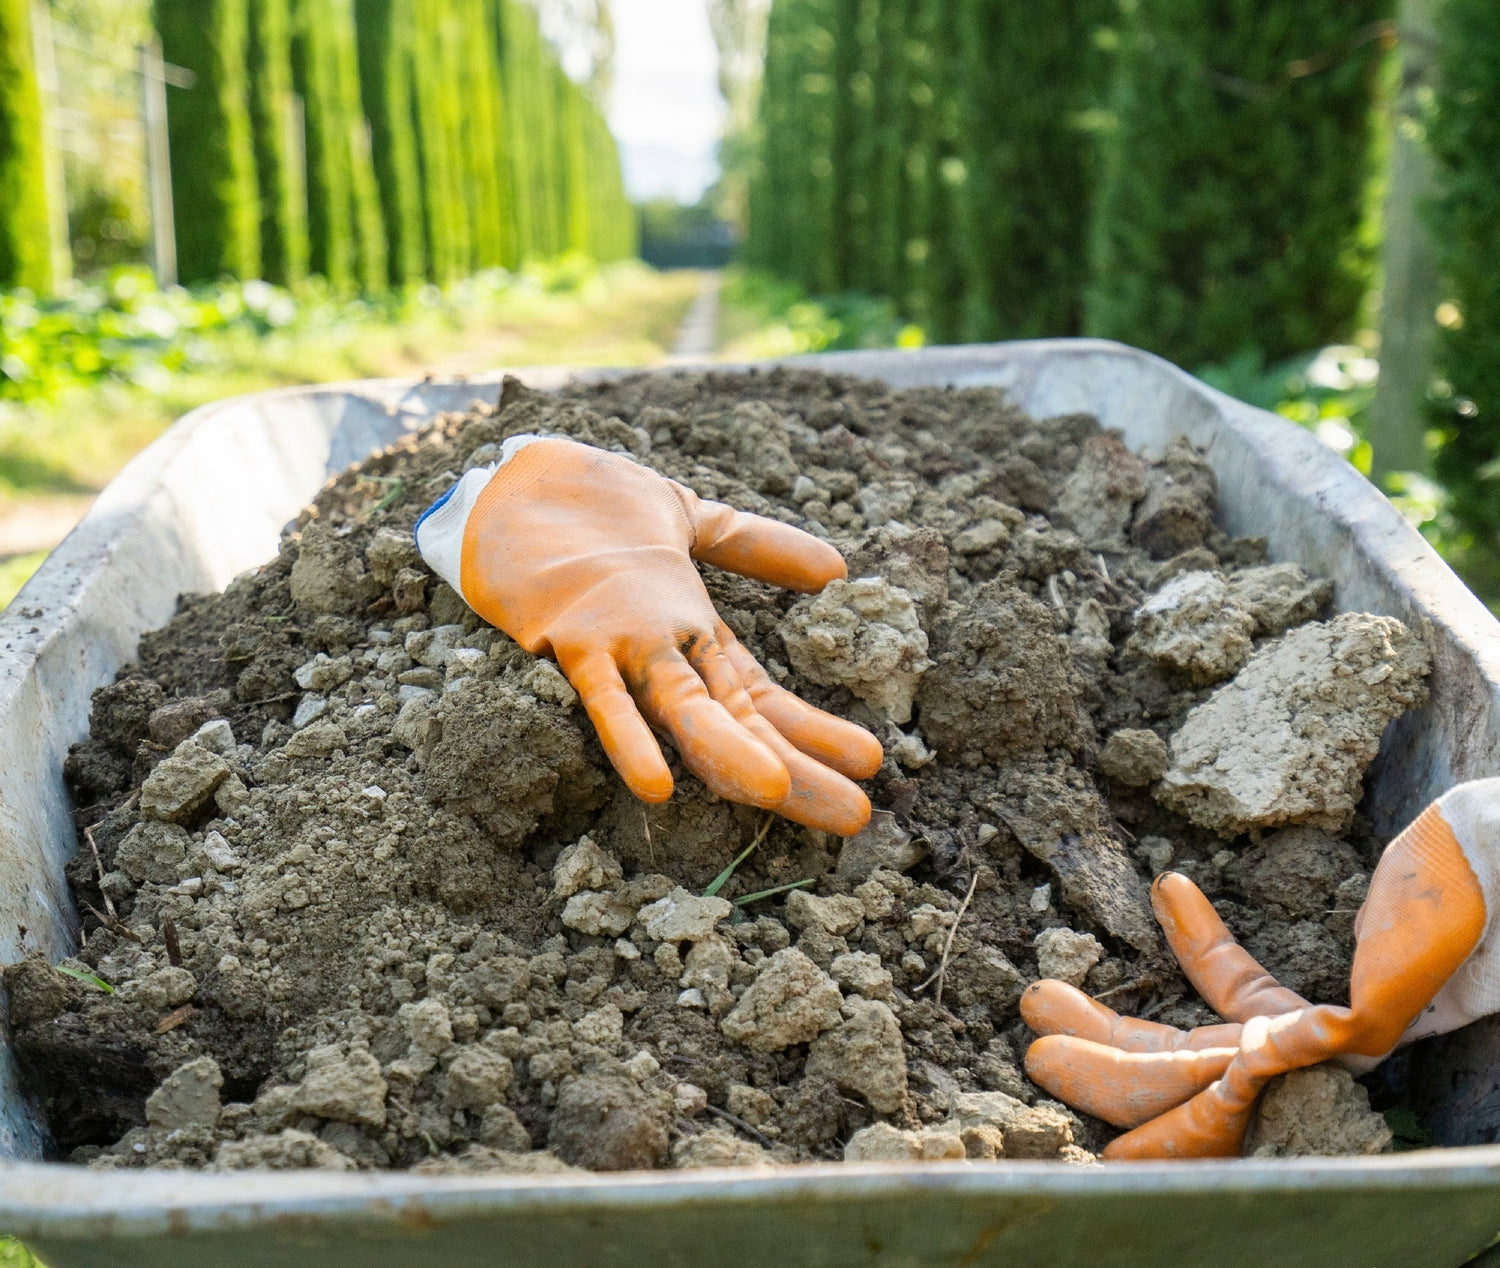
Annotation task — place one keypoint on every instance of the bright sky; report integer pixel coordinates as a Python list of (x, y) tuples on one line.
[(665, 106)]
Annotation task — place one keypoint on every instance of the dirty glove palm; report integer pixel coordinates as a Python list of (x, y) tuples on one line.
[(1423, 965), (587, 556)]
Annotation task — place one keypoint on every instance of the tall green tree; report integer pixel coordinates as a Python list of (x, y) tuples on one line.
[(344, 219), (1235, 176), (386, 30), (1465, 137), (215, 196), (25, 250), (277, 125), (1024, 181)]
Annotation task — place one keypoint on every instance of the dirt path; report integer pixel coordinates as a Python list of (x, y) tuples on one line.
[(698, 338)]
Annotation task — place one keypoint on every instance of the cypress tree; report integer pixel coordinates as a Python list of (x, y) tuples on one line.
[(278, 141), (344, 220), (330, 219), (1024, 181), (25, 251), (1465, 139), (481, 121), (1234, 177), (216, 207), (385, 29)]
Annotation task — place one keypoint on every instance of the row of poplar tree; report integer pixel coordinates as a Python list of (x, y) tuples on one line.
[(374, 143), (1189, 176)]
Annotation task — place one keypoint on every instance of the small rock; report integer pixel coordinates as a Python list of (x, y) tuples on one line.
[(689, 1099), (309, 709), (546, 682), (1279, 596), (1030, 1131), (718, 1147), (154, 851), (1319, 1111), (600, 915), (318, 740), (791, 1001), (683, 917), (188, 1097), (981, 537), (1287, 742), (863, 635), (159, 991), (1066, 955), (862, 972), (388, 553), (322, 673), (604, 1027), (756, 1107), (880, 1142), (983, 1143), (216, 735), (430, 647), (837, 915), (285, 1150), (584, 866), (476, 1079), (882, 844), (176, 720), (346, 1088), (605, 1123), (1098, 498), (1134, 758), (1192, 626), (36, 991), (182, 784), (865, 1055)]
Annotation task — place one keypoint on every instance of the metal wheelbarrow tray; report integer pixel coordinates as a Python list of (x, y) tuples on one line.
[(208, 500)]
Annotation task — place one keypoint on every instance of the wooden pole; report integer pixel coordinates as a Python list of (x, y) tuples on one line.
[(158, 163)]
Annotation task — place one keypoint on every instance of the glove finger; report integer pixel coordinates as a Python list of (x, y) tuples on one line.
[(1123, 1088), (1054, 1008), (819, 797), (1230, 980), (848, 749), (627, 740), (714, 746), (754, 546)]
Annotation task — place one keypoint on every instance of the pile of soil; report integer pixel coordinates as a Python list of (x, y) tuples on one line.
[(361, 889)]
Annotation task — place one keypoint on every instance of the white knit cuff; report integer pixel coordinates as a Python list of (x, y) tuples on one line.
[(440, 531)]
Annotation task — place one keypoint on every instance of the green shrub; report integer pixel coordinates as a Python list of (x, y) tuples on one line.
[(1234, 176), (1465, 138)]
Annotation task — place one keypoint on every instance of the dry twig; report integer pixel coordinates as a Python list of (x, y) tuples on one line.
[(942, 969)]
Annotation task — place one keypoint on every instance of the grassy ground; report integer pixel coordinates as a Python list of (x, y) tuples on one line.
[(55, 455)]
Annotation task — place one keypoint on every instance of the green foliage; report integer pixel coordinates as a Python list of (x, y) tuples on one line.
[(933, 152), (210, 138), (1234, 175), (14, 1255), (1465, 138), (278, 140), (344, 222), (25, 253), (1025, 170), (767, 316)]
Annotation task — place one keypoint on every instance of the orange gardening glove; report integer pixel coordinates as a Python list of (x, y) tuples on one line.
[(1422, 966), (588, 557)]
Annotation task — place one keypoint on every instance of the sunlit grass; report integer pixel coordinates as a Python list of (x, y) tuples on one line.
[(626, 314), (14, 1255)]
